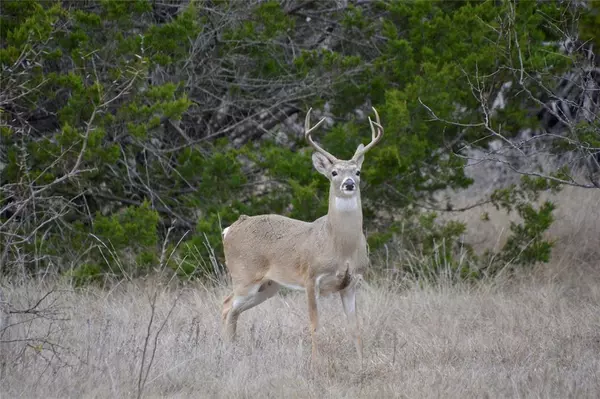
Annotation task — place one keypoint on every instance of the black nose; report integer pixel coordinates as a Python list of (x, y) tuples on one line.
[(349, 185)]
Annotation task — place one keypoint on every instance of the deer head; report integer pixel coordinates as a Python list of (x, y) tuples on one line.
[(343, 175)]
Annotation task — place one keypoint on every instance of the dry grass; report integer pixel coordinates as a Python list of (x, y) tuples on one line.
[(533, 336), (536, 338)]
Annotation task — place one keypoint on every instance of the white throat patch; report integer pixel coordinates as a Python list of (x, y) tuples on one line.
[(346, 204)]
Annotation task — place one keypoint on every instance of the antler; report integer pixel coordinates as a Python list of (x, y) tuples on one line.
[(375, 135), (307, 134)]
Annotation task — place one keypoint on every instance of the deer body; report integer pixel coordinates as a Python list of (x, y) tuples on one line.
[(265, 252), (293, 250)]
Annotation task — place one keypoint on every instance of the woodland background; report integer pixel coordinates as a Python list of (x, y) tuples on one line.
[(133, 132), (134, 128)]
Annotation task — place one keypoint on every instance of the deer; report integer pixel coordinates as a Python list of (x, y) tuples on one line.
[(266, 252)]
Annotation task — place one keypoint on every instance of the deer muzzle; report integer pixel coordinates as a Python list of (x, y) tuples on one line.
[(349, 185)]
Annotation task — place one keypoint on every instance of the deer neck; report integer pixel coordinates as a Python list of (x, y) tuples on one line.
[(344, 221)]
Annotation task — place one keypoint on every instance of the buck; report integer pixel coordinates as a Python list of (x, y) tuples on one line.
[(265, 252)]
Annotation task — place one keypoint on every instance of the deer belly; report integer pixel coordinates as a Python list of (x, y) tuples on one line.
[(325, 284), (292, 286), (287, 280)]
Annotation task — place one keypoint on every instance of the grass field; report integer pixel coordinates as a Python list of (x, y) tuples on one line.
[(535, 335)]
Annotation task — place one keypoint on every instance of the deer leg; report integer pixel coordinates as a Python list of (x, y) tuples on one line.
[(237, 303), (313, 316), (227, 306), (348, 296)]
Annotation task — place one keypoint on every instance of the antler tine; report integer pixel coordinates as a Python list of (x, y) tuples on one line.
[(307, 134), (376, 134), (376, 123)]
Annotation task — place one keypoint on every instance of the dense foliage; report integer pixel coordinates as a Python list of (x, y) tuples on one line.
[(134, 128)]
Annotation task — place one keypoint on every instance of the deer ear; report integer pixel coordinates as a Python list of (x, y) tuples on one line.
[(360, 159), (321, 163)]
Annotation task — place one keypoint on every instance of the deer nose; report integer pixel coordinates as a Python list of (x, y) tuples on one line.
[(349, 185)]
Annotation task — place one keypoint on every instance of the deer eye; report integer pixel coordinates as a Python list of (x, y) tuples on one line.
[(334, 173), (358, 173)]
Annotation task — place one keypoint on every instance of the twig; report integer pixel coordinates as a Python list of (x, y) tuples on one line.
[(141, 378), (145, 372)]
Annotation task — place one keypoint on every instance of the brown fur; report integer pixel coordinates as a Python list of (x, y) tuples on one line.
[(265, 252)]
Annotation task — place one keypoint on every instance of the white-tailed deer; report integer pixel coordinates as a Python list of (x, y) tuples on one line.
[(328, 255)]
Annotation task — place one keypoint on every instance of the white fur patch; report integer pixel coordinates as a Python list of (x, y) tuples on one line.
[(225, 230), (346, 204), (319, 277), (318, 284), (349, 301)]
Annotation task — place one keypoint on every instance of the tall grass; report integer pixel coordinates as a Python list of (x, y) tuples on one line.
[(533, 335), (536, 337)]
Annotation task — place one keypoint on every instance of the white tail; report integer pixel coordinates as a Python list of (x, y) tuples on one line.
[(225, 230), (328, 255)]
